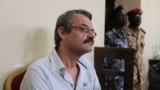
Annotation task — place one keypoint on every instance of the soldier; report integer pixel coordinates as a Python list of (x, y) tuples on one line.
[(135, 36), (115, 38)]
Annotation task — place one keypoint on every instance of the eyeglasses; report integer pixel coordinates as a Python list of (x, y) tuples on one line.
[(85, 29)]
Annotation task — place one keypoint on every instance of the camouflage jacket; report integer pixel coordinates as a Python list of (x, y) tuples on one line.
[(136, 41)]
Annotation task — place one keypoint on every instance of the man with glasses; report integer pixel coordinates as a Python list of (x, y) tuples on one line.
[(135, 35), (65, 68)]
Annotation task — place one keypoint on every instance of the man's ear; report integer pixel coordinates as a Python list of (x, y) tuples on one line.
[(61, 32)]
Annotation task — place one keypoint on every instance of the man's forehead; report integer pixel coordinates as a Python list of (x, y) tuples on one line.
[(81, 20)]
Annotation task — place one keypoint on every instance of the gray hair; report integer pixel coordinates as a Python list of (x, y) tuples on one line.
[(66, 20)]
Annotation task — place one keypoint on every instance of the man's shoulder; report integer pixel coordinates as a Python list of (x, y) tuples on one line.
[(129, 29), (40, 63)]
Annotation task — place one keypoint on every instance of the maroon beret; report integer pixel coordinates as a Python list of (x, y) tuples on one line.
[(135, 11)]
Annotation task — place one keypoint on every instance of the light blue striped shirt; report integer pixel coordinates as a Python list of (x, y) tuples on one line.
[(49, 73)]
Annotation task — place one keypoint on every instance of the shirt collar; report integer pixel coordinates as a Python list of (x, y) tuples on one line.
[(56, 62), (118, 34), (83, 62)]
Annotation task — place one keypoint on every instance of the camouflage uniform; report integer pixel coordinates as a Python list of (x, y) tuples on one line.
[(136, 41), (115, 39)]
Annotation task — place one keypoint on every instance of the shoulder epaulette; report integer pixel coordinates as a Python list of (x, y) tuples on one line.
[(143, 30)]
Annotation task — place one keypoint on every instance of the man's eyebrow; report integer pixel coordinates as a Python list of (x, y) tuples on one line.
[(87, 26), (84, 25)]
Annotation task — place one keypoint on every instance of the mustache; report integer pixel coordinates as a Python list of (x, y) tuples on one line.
[(89, 40)]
